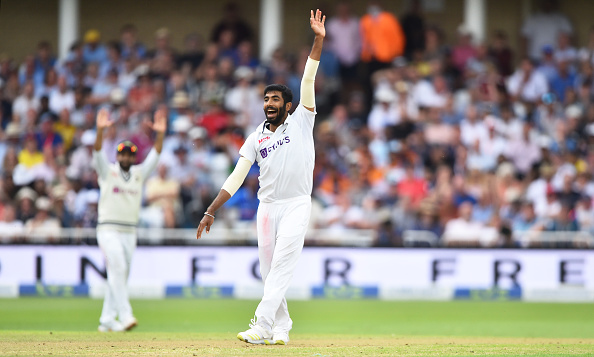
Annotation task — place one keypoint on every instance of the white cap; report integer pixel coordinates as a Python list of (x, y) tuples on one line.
[(573, 111), (26, 192), (117, 95), (88, 137), (43, 204), (182, 124), (243, 72), (197, 132), (385, 95)]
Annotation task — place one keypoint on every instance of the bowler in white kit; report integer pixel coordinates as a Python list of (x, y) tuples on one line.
[(283, 147), (119, 206)]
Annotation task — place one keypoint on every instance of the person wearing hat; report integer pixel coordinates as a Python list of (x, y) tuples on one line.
[(121, 186), (93, 50)]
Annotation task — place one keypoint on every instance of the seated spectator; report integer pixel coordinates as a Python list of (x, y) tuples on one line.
[(245, 200), (93, 50), (463, 231), (162, 195), (564, 221), (42, 228), (65, 129), (527, 84), (24, 103), (527, 221), (62, 97), (11, 229), (130, 46)]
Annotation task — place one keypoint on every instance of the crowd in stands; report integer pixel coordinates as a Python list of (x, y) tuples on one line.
[(415, 130)]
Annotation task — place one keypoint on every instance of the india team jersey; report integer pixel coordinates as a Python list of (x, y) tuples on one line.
[(121, 194), (286, 157)]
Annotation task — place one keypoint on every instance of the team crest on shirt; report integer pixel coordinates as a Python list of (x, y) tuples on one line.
[(264, 153)]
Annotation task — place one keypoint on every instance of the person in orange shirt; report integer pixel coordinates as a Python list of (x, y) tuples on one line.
[(382, 37)]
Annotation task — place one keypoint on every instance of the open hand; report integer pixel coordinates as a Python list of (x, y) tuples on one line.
[(317, 23), (160, 121), (103, 119)]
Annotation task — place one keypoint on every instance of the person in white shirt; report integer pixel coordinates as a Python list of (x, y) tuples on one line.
[(543, 29), (283, 147), (24, 103), (62, 97), (527, 84), (119, 206)]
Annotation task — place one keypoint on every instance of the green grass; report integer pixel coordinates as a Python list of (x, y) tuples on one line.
[(67, 326)]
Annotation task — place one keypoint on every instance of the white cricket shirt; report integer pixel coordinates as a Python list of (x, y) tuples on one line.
[(120, 196), (286, 157)]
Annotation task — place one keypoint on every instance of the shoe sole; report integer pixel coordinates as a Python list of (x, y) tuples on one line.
[(131, 326), (256, 342)]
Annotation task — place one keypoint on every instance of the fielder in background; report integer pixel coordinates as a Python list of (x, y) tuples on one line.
[(283, 146), (119, 206)]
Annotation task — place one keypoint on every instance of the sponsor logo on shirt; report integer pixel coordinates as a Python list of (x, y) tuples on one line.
[(264, 152), (263, 140), (118, 190)]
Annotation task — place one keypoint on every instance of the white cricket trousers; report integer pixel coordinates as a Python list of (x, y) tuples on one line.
[(118, 248), (281, 232)]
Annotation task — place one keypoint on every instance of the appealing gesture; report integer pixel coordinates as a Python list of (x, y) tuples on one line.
[(103, 119), (160, 121), (317, 23)]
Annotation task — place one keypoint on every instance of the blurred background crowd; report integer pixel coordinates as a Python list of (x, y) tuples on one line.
[(417, 129)]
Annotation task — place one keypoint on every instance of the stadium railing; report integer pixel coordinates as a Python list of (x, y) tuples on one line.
[(246, 236)]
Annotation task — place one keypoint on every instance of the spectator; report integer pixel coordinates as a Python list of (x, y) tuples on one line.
[(163, 193), (24, 103), (62, 97), (130, 46), (43, 227), (382, 38), (193, 52), (93, 50), (463, 231), (11, 229), (44, 61), (464, 50), (526, 84), (232, 21), (543, 29), (345, 41), (501, 54)]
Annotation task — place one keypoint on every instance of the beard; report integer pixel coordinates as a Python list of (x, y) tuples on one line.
[(279, 116), (125, 166)]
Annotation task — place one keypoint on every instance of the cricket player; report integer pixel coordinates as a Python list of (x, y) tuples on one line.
[(283, 146), (119, 205)]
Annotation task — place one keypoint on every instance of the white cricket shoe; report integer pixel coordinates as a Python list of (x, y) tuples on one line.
[(113, 326), (280, 338), (130, 323), (256, 334)]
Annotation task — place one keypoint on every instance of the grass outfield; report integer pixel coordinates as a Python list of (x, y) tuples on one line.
[(67, 327)]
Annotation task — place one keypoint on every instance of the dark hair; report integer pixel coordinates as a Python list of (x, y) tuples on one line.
[(286, 93)]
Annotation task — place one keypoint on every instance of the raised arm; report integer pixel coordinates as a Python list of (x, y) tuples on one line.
[(101, 123), (159, 126), (308, 99), (99, 159)]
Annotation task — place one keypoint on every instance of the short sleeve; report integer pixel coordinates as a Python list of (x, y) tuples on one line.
[(248, 149), (305, 118)]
